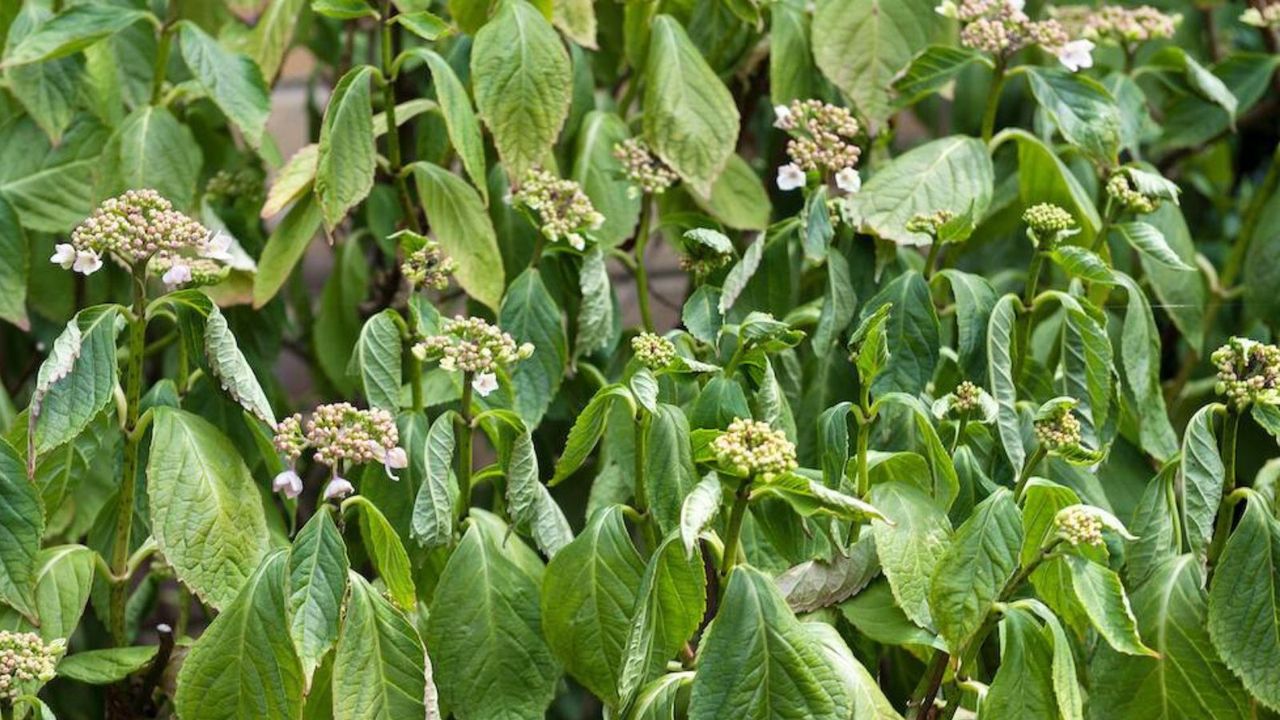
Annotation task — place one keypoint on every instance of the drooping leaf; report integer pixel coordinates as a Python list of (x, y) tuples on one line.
[(231, 79), (22, 520), (77, 379), (377, 359), (346, 159), (1200, 480), (386, 551), (531, 315), (379, 668), (433, 508), (911, 547), (317, 584), (457, 215), (231, 369), (1000, 336), (1102, 595)]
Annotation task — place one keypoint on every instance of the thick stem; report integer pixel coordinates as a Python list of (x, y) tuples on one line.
[(931, 263), (732, 535), (1024, 322), (993, 102), (393, 133), (641, 271), (1027, 469), (415, 383), (642, 489), (927, 692), (462, 428), (864, 440), (960, 426), (162, 62), (1222, 525), (124, 502)]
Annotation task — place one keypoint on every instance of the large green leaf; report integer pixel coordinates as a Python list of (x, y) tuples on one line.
[(64, 577), (953, 174), (1149, 241), (433, 508), (521, 76), (690, 118), (69, 32), (460, 120), (587, 595), (284, 248), (910, 548), (485, 633), (1082, 110), (153, 150), (933, 70), (868, 699), (1244, 602), (601, 175), (885, 34), (347, 155), (757, 661), (531, 315), (317, 583), (1188, 681), (738, 197), (387, 552), (1042, 177), (379, 668), (377, 358), (457, 215), (1023, 684), (911, 334), (206, 512), (975, 567), (231, 79), (1099, 591), (669, 471), (103, 667), (244, 664), (14, 271), (77, 379), (1000, 337), (791, 67), (1201, 479), (21, 525)]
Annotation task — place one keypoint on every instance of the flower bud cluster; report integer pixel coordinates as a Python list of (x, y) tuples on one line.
[(1121, 190), (1047, 223), (1059, 429), (563, 209), (233, 184), (929, 223), (26, 663), (643, 169), (428, 266), (966, 397), (703, 264), (753, 449), (338, 433), (1248, 371), (472, 345), (1078, 526), (1267, 16), (653, 351), (141, 227), (1128, 26), (1002, 28), (822, 140)]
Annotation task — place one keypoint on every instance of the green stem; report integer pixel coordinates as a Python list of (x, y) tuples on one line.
[(415, 383), (993, 101), (641, 271), (955, 444), (124, 502), (462, 428), (732, 535), (539, 243), (393, 133), (6, 710), (931, 263), (1222, 525), (1028, 468), (162, 61), (864, 440), (642, 490), (1024, 322)]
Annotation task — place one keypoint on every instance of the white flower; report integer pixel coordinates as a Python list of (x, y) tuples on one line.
[(64, 254), (790, 177), (338, 488), (395, 459), (576, 241), (287, 483), (217, 246), (947, 8), (87, 262), (783, 113), (176, 275), (849, 180), (1016, 5), (1075, 55), (1253, 16), (484, 383)]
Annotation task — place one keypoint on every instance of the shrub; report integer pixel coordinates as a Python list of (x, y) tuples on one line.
[(659, 360)]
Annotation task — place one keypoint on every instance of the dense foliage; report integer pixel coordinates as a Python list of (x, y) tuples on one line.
[(649, 360)]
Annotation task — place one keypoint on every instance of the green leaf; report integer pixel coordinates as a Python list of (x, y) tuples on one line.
[(577, 20), (1149, 241), (809, 497), (595, 315), (660, 699), (1087, 366), (14, 272), (738, 198), (1244, 602), (49, 91), (875, 613), (77, 379), (457, 215), (1203, 82), (231, 79), (1082, 110), (587, 596), (386, 551), (863, 689), (22, 523), (739, 275), (1042, 177), (1099, 590), (346, 159), (1201, 480), (602, 178), (699, 508), (886, 32), (952, 174), (271, 36), (103, 667), (1023, 684), (528, 500), (931, 71), (1066, 684), (460, 121), (588, 427), (343, 9), (64, 577), (206, 512), (318, 568), (1000, 335), (379, 668), (377, 357), (232, 370), (757, 661), (531, 315), (284, 248), (975, 298), (974, 569), (292, 182), (1181, 294), (1188, 681), (669, 469), (69, 32), (244, 663), (912, 546), (911, 333), (1082, 263), (521, 76), (433, 507), (153, 150), (690, 119), (485, 634), (792, 75), (838, 304)]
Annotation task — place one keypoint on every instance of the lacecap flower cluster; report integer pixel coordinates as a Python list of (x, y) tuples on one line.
[(564, 211), (340, 434), (1248, 372), (1002, 28), (1059, 429), (26, 663), (428, 266), (472, 345), (644, 170), (822, 140), (751, 448)]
